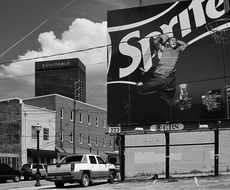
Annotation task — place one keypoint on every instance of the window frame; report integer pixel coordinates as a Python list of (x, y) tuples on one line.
[(71, 115), (62, 135), (103, 142), (61, 113), (110, 143), (96, 122), (46, 135), (89, 120), (80, 138), (80, 117), (96, 140), (89, 140)]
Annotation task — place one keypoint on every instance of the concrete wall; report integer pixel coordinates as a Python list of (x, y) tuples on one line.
[(183, 158)]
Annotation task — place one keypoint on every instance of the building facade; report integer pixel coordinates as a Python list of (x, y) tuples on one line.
[(61, 77), (90, 125), (18, 141), (30, 117)]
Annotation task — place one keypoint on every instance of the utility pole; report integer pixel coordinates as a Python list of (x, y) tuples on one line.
[(74, 114)]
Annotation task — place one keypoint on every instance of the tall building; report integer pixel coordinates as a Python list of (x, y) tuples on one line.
[(59, 77)]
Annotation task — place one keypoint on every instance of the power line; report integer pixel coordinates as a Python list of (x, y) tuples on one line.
[(81, 50), (37, 27), (52, 55)]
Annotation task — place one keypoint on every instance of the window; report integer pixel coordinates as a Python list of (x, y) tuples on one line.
[(71, 137), (34, 134), (80, 138), (61, 136), (89, 120), (89, 140), (71, 116), (46, 134), (104, 124), (110, 143), (96, 122), (96, 141), (92, 160), (80, 118), (100, 160), (104, 142), (35, 166), (61, 114), (73, 159)]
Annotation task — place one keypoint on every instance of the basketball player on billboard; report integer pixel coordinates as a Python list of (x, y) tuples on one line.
[(161, 79)]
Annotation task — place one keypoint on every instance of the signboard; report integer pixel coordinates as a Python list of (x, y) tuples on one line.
[(164, 66), (113, 130), (59, 64)]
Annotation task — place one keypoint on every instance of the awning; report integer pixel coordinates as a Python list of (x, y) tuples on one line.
[(42, 153)]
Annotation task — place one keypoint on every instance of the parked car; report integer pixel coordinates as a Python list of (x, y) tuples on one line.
[(80, 168), (29, 171), (6, 172)]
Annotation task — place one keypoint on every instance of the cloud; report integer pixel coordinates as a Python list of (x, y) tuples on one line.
[(81, 34)]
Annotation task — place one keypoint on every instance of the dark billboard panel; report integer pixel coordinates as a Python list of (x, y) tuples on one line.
[(165, 66)]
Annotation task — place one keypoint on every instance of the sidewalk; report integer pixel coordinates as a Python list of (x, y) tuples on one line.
[(178, 176)]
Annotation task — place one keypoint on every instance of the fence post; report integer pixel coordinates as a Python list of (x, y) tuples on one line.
[(122, 156), (216, 162), (167, 156)]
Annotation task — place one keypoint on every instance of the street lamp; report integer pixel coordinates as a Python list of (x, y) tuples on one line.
[(37, 129)]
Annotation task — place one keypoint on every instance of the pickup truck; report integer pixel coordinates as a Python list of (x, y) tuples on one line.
[(81, 168)]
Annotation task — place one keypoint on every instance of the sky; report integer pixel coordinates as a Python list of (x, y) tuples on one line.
[(35, 28)]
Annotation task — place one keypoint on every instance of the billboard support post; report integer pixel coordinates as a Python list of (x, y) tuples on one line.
[(216, 162), (122, 156), (167, 155)]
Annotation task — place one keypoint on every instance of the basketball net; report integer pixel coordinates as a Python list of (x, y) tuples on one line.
[(220, 30)]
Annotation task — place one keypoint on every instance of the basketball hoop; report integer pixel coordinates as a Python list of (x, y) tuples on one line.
[(220, 30)]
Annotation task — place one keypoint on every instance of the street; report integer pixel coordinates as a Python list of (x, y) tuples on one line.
[(207, 183)]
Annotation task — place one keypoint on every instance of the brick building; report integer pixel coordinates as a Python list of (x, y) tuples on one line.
[(91, 125), (18, 139), (59, 76)]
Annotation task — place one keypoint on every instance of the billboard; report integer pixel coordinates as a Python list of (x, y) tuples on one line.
[(164, 66)]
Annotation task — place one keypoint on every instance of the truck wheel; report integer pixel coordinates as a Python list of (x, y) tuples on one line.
[(59, 184), (111, 177), (16, 178), (85, 180)]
